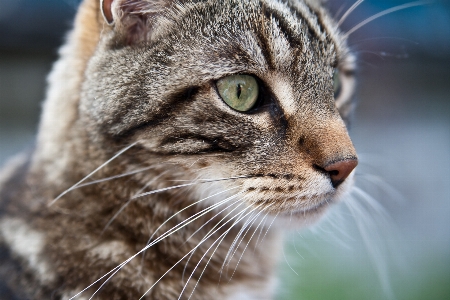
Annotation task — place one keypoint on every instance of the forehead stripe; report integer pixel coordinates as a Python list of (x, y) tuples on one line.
[(307, 14)]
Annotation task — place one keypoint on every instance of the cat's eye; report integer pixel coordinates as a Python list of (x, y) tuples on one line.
[(240, 92)]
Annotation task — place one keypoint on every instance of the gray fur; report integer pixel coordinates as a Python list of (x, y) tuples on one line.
[(146, 83)]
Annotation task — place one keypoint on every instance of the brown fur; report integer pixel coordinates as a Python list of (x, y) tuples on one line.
[(147, 78)]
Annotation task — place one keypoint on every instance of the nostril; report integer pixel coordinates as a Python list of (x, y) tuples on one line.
[(333, 173), (339, 171)]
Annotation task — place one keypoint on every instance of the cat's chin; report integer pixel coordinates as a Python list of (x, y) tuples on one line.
[(317, 209), (303, 218)]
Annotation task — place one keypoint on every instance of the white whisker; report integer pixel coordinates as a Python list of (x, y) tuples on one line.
[(163, 236), (215, 226), (92, 173), (271, 223), (122, 208), (391, 192), (370, 231), (200, 181), (235, 241), (248, 242), (287, 262), (338, 12), (338, 227), (249, 226), (383, 13), (221, 237), (349, 11), (113, 177), (220, 212), (195, 203), (370, 200), (260, 231), (194, 250), (295, 248), (207, 263)]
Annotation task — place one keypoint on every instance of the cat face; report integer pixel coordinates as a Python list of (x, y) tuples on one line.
[(243, 91)]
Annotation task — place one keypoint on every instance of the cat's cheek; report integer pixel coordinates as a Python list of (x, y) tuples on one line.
[(302, 220)]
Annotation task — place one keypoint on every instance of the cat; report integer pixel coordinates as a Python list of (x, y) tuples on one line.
[(177, 140)]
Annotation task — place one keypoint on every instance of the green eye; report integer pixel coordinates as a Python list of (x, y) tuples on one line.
[(240, 92), (337, 84)]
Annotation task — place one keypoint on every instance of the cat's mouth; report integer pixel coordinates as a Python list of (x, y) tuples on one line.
[(295, 205), (290, 194)]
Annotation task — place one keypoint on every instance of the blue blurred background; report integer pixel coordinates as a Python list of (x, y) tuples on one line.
[(401, 129)]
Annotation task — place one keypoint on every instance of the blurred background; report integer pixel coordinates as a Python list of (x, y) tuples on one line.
[(399, 249)]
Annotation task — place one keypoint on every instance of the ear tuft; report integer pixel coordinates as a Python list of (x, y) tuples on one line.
[(133, 20)]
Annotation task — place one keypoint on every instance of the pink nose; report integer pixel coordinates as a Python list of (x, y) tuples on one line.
[(339, 171)]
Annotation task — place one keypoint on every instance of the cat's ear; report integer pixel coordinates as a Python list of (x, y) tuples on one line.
[(133, 20), (107, 11)]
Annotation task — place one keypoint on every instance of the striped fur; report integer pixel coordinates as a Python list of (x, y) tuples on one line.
[(136, 82)]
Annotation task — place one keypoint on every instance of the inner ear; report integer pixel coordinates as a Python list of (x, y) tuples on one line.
[(134, 20), (107, 11)]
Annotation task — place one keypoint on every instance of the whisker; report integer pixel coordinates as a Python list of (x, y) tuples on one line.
[(395, 38), (207, 263), (114, 177), (271, 223), (163, 236), (295, 248), (248, 242), (383, 13), (214, 227), (233, 244), (373, 203), (370, 231), (221, 237), (199, 181), (220, 212), (336, 221), (130, 200), (260, 231), (218, 223), (212, 256), (287, 262), (391, 192), (92, 173), (195, 203), (349, 11), (228, 230), (338, 12), (249, 226)]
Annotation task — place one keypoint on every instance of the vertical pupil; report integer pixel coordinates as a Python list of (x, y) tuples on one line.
[(239, 90)]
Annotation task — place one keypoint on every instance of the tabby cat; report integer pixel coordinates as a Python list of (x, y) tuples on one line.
[(177, 140)]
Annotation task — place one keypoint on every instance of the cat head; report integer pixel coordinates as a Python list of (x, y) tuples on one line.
[(254, 92)]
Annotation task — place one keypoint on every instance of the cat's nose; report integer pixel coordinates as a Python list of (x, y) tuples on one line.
[(339, 171)]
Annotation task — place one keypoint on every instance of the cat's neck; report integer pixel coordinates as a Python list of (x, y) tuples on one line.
[(115, 226)]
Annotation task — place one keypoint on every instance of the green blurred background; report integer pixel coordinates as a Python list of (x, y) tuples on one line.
[(401, 128)]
